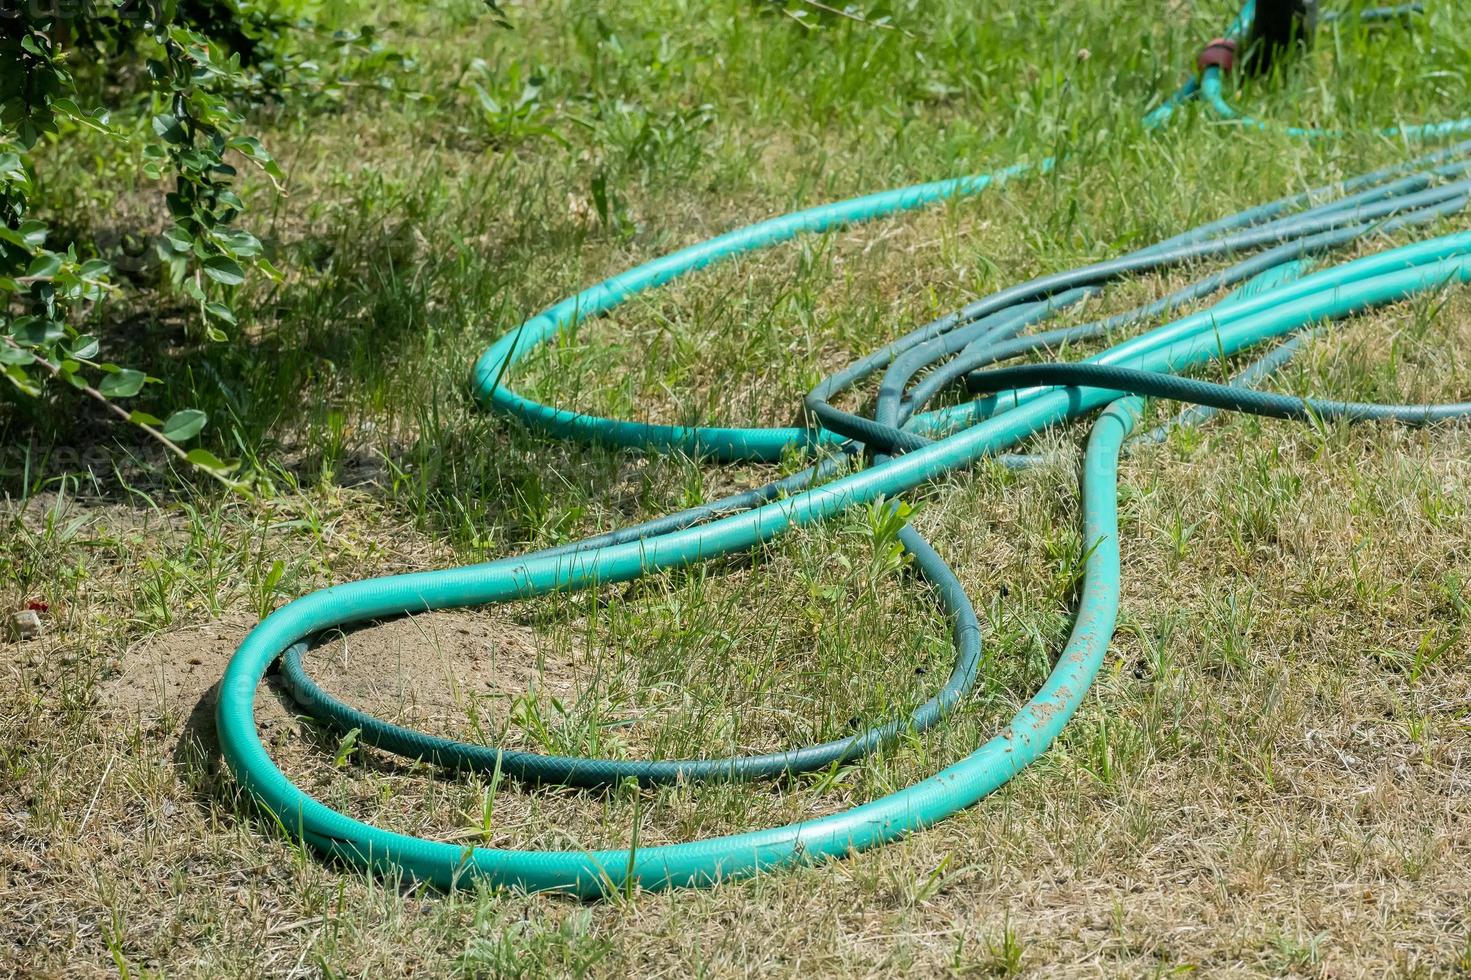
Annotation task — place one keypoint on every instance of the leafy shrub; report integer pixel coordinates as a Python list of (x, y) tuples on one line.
[(205, 62)]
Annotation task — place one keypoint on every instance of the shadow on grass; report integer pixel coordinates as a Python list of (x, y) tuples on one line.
[(352, 373)]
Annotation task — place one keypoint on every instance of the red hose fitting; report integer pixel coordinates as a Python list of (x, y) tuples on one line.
[(1220, 53)]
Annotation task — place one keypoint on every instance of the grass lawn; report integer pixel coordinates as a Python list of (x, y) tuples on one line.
[(1270, 777)]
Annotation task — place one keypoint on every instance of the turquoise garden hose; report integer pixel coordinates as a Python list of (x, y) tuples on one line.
[(1277, 287)]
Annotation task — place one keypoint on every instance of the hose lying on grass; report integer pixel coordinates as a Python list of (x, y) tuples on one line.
[(1275, 295)]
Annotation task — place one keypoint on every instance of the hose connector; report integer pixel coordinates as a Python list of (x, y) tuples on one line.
[(1219, 53)]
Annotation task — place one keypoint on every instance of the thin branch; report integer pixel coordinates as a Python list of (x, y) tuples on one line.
[(857, 18), (103, 400)]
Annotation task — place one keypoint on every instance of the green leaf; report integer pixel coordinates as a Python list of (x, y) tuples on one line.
[(44, 266), (223, 269), (238, 242), (271, 271), (21, 380), (85, 347), (178, 240), (143, 418), (206, 460), (70, 374), (37, 331), (251, 147), (184, 425), (96, 119), (220, 312), (124, 384), (488, 105), (14, 355), (346, 746), (166, 126)]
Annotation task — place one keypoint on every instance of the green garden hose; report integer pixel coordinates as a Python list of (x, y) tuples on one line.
[(1276, 293)]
